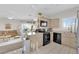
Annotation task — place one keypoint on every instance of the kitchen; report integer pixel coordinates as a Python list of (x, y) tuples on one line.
[(44, 34)]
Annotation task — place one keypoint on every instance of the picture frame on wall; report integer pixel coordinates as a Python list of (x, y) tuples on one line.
[(43, 23), (7, 26)]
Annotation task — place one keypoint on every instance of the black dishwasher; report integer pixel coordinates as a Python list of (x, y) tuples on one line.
[(57, 37), (46, 38)]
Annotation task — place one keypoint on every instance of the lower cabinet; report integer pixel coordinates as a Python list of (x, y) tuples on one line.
[(36, 41), (69, 39)]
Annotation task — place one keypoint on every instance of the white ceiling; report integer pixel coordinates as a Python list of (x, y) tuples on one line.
[(25, 11)]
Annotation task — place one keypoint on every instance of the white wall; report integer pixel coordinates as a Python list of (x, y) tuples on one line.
[(14, 24), (66, 13)]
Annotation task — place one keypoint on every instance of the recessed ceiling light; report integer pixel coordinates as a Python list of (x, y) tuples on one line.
[(10, 17)]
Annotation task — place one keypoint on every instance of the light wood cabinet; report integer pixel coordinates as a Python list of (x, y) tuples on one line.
[(36, 41), (42, 18), (53, 23), (69, 39)]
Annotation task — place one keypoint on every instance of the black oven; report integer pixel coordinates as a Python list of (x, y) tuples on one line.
[(46, 38)]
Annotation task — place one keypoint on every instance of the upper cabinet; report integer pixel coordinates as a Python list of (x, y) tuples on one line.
[(42, 21), (53, 23)]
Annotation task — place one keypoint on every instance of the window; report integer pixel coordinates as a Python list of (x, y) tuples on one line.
[(69, 23)]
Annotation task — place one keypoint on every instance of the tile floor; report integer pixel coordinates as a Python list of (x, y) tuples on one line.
[(52, 48)]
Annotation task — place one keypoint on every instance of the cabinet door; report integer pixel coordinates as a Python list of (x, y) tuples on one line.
[(39, 37), (54, 23), (69, 39)]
